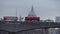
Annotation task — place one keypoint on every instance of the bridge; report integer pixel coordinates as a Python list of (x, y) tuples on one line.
[(15, 26), (26, 27)]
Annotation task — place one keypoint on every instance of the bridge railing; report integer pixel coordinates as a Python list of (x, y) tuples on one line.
[(41, 24)]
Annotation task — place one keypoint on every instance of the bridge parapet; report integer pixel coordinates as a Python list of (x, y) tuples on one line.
[(40, 24), (14, 26)]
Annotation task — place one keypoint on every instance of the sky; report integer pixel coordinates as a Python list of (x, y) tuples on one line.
[(45, 9)]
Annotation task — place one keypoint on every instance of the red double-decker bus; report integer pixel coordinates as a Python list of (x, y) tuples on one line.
[(32, 18), (10, 18)]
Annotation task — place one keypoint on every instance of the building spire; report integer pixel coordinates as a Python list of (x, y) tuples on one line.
[(32, 8), (32, 13)]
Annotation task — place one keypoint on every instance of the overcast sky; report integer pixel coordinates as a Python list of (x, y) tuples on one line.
[(43, 8)]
